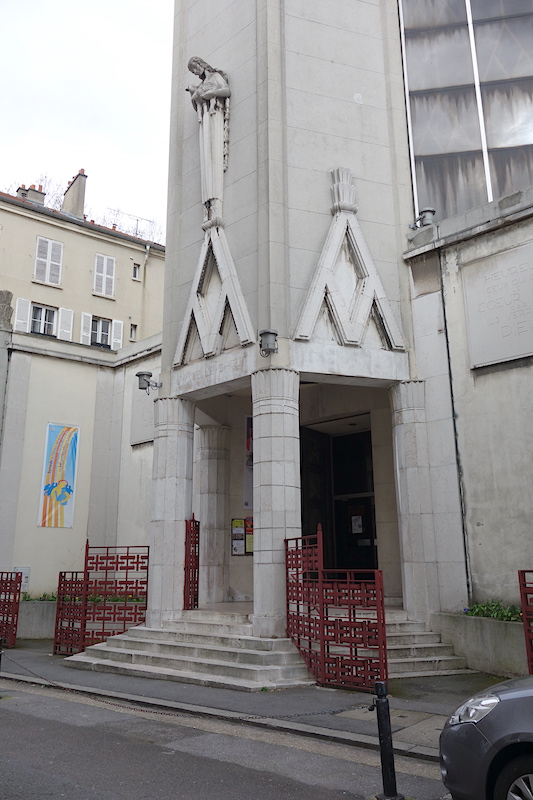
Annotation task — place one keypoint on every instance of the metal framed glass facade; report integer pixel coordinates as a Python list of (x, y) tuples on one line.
[(469, 83)]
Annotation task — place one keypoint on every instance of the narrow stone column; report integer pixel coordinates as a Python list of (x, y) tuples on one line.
[(433, 564), (172, 505), (213, 461), (276, 432)]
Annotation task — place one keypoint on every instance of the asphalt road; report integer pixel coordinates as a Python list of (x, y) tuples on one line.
[(58, 745)]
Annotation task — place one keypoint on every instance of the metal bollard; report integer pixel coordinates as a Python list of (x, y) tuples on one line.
[(388, 772)]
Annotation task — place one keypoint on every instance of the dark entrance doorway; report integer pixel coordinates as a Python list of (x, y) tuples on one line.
[(338, 492)]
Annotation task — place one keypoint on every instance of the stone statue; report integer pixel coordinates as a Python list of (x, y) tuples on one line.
[(210, 100)]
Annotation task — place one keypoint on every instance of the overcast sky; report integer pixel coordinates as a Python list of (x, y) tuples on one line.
[(86, 84)]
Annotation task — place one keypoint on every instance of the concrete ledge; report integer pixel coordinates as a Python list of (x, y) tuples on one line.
[(491, 646), (36, 619)]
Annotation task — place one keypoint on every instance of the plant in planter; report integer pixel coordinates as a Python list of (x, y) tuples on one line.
[(495, 610)]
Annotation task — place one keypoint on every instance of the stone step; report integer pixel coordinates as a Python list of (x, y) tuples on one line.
[(195, 636), (410, 667), (162, 673), (199, 663), (208, 650), (417, 637), (419, 651), (209, 626)]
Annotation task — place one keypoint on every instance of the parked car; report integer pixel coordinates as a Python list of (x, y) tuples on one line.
[(486, 746)]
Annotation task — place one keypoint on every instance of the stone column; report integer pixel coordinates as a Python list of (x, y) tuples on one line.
[(172, 505), (429, 505), (276, 432), (213, 461)]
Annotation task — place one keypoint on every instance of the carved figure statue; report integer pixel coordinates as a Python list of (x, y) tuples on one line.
[(210, 100)]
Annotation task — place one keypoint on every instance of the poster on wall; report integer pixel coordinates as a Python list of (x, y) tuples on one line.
[(248, 487), (249, 536), (237, 537), (59, 476)]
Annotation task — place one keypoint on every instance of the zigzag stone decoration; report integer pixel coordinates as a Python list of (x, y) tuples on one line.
[(207, 306), (349, 319)]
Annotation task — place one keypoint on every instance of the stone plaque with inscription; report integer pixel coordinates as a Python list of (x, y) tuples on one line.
[(499, 306)]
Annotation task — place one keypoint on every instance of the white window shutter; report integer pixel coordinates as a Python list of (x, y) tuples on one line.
[(99, 274), (116, 334), (86, 321), (41, 259), (22, 315), (64, 328), (56, 255), (109, 287)]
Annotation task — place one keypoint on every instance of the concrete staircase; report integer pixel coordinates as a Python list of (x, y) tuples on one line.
[(205, 648), (413, 651), (218, 649)]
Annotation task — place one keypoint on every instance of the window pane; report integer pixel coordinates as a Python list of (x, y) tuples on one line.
[(437, 59), (36, 314), (451, 184), (511, 169), (429, 13), (505, 48), (105, 331), (48, 327), (488, 9), (445, 122), (507, 109)]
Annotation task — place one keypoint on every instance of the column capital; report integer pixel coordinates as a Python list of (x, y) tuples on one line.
[(409, 402), (277, 382), (172, 412)]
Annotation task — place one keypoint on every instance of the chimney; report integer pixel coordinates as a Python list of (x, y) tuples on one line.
[(32, 194), (74, 197)]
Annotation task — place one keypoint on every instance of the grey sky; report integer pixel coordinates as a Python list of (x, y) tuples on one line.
[(87, 85)]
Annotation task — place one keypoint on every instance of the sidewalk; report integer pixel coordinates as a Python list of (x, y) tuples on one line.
[(418, 706)]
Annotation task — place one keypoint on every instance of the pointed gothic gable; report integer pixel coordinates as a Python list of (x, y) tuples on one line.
[(215, 293), (347, 282)]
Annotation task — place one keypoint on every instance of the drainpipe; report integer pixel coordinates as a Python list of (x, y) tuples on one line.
[(456, 438)]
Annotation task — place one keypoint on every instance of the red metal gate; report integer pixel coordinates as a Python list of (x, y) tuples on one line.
[(336, 618), (107, 598), (525, 581), (192, 563), (10, 583)]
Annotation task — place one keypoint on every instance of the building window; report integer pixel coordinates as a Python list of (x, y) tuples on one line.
[(101, 332), (48, 261), (136, 272), (43, 320), (133, 333), (104, 275)]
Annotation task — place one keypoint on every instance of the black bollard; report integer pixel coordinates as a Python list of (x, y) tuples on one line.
[(388, 772)]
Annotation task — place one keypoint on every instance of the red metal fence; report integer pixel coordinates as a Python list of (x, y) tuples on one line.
[(192, 563), (525, 581), (336, 618), (107, 598), (10, 583)]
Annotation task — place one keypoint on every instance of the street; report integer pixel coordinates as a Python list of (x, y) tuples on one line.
[(58, 744)]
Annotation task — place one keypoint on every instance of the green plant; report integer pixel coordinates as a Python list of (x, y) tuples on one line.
[(44, 596), (495, 610)]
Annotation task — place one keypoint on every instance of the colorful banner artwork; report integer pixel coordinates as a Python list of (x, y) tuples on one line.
[(59, 476)]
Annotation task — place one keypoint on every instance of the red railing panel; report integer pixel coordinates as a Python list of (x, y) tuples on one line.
[(525, 581), (192, 563), (336, 618), (10, 585), (107, 598)]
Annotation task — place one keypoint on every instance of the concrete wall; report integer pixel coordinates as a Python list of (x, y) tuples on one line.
[(59, 382), (485, 259), (489, 645)]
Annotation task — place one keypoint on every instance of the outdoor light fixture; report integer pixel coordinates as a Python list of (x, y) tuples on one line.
[(268, 343), (145, 382), (424, 218)]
